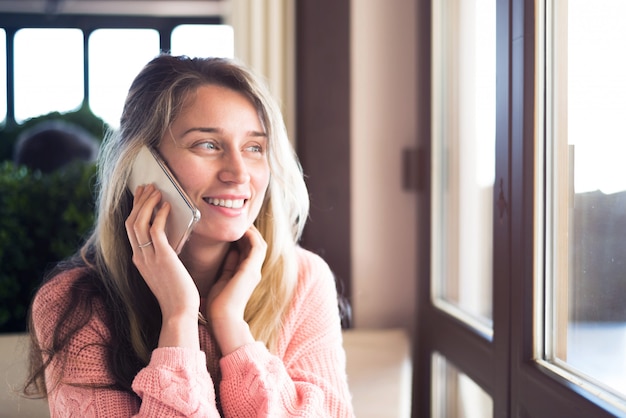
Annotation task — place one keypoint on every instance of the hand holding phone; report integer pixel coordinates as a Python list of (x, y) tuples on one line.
[(149, 168)]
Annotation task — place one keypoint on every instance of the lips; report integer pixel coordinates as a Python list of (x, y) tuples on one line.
[(226, 203)]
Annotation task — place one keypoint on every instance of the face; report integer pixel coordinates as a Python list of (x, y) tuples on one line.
[(218, 152)]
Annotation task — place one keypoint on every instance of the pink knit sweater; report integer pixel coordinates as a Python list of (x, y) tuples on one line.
[(305, 378)]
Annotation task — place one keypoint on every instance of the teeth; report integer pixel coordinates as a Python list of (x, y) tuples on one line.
[(227, 203)]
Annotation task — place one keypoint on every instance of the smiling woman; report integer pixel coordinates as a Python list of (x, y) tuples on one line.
[(244, 321)]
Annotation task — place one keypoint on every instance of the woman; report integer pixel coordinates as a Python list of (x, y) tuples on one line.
[(242, 322)]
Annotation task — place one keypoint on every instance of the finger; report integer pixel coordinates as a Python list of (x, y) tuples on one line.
[(252, 245), (143, 221), (145, 206), (141, 195), (140, 219), (230, 264), (157, 229), (130, 220)]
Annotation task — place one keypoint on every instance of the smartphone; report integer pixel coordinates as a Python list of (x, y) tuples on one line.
[(149, 168)]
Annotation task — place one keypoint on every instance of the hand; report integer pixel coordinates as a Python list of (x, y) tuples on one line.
[(229, 295), (158, 263)]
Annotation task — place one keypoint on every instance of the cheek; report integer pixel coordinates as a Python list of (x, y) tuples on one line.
[(262, 180), (261, 186), (190, 176)]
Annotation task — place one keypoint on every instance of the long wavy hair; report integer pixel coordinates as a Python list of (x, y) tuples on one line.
[(155, 99)]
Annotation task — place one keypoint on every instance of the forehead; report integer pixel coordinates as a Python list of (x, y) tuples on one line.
[(214, 95), (217, 108)]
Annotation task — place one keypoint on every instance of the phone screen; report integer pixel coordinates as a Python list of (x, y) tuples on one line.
[(149, 168)]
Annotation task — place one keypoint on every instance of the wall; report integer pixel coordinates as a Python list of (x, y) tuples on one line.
[(382, 101), (383, 109)]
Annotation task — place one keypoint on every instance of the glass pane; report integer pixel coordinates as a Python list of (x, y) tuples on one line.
[(48, 71), (586, 329), (108, 80), (3, 75), (455, 395), (203, 41), (464, 82)]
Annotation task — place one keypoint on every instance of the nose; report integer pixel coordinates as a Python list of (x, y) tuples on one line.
[(234, 169)]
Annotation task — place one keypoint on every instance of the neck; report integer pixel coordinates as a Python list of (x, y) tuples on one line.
[(203, 263)]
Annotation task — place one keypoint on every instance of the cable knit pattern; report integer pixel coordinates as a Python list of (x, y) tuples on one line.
[(305, 378)]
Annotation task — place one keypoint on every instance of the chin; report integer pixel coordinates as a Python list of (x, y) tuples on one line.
[(233, 238), (223, 235)]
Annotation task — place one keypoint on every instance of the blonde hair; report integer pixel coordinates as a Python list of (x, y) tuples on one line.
[(163, 86), (155, 99)]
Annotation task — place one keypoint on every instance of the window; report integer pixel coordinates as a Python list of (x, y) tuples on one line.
[(3, 74), (586, 195), (203, 40), (463, 158), (455, 395), (550, 339), (108, 80), (47, 78), (42, 77)]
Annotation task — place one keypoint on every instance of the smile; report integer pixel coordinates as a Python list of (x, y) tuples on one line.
[(226, 203)]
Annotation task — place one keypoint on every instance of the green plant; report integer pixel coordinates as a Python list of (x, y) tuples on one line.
[(43, 219)]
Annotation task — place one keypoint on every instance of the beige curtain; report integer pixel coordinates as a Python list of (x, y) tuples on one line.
[(265, 40)]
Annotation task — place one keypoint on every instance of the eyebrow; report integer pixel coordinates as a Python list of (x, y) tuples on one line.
[(221, 131)]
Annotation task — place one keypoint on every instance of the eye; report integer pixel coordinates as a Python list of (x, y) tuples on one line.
[(255, 148), (206, 145)]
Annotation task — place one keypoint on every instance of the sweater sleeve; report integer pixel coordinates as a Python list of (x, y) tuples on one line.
[(308, 376), (175, 383)]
